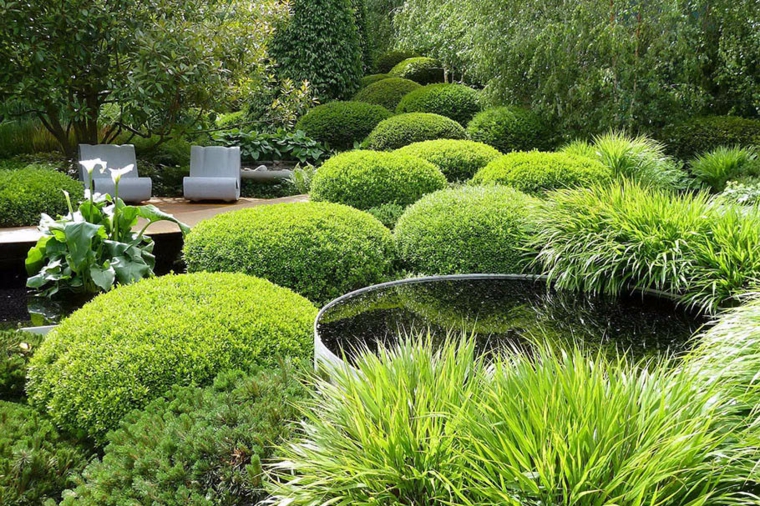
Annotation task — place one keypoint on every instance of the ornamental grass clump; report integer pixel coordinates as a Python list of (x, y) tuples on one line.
[(723, 164), (459, 160)]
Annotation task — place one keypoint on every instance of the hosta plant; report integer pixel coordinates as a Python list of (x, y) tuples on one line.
[(94, 247)]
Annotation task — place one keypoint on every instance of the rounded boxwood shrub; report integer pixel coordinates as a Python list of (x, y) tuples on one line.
[(197, 446), (404, 129), (387, 61), (371, 79), (320, 250), (16, 348), (455, 101), (340, 124), (537, 173), (458, 159), (509, 129), (420, 69), (386, 92), (467, 230), (367, 179), (129, 346), (35, 189), (699, 135)]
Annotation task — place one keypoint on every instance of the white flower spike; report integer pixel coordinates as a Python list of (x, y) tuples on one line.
[(117, 173)]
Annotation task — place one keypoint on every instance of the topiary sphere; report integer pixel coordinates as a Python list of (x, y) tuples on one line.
[(387, 92), (340, 124), (128, 346), (371, 79), (467, 230), (320, 250), (509, 129), (537, 173), (458, 160), (387, 61), (455, 101), (421, 70), (367, 179), (35, 189), (404, 129)]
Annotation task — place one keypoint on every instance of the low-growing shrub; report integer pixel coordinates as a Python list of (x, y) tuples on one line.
[(35, 189), (196, 446), (745, 192), (280, 146), (456, 101), (386, 92), (404, 129), (371, 79), (723, 164), (231, 120), (341, 124), (320, 250), (36, 463), (419, 69), (387, 214), (128, 346), (467, 230), (387, 61), (459, 160), (509, 129), (16, 348), (537, 173), (699, 135), (367, 179)]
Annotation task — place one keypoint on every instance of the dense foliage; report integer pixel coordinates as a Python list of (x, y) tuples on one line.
[(367, 179), (386, 61), (454, 101), (128, 346), (509, 129), (387, 214), (342, 124), (372, 78), (16, 348), (404, 129), (459, 160), (196, 446), (537, 173), (724, 164), (386, 92), (699, 135), (320, 250), (419, 69), (281, 145), (27, 192), (467, 230)]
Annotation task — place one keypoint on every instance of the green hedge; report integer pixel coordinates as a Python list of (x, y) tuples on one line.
[(197, 446), (404, 129), (372, 79), (320, 250), (128, 346), (35, 189), (467, 230), (459, 160), (456, 101), (699, 135), (420, 70), (367, 179), (509, 129), (386, 92), (16, 348), (341, 124), (387, 61)]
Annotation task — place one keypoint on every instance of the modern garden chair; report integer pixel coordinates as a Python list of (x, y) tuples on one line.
[(132, 188), (214, 174)]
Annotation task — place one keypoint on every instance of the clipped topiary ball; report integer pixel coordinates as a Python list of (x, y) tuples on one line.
[(387, 92), (320, 250), (129, 346), (458, 160), (371, 79), (509, 129), (35, 189), (340, 124), (367, 179), (455, 101), (467, 230), (387, 61), (421, 70), (537, 173), (404, 129), (699, 135)]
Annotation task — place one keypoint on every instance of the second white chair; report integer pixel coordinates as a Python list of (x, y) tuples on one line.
[(214, 174)]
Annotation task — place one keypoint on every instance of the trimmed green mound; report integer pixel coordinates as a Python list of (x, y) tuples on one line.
[(509, 129), (35, 189), (321, 250), (371, 79), (386, 92), (404, 129), (700, 135), (467, 230), (537, 173), (368, 179), (387, 61), (129, 346), (341, 124), (420, 69), (456, 101), (458, 160)]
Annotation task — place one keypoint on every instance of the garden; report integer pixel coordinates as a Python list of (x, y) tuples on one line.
[(521, 265)]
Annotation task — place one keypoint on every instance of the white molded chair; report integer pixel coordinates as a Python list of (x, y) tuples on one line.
[(132, 188), (214, 174)]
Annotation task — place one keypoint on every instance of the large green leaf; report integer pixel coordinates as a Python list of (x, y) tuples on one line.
[(79, 237), (154, 214), (103, 276), (35, 259)]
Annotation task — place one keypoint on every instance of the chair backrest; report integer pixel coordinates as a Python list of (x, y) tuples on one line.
[(214, 161), (115, 155)]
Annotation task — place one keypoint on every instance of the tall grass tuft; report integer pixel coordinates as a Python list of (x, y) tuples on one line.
[(25, 137), (724, 164)]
